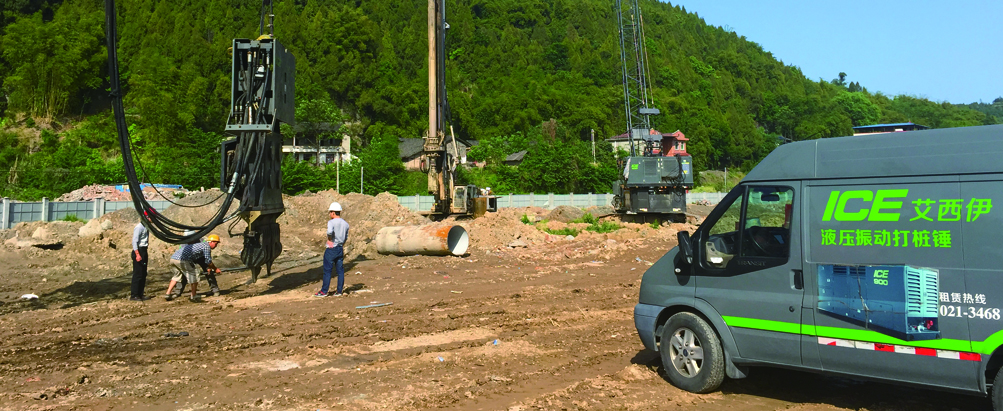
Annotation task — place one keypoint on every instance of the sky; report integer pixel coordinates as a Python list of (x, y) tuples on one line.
[(940, 50)]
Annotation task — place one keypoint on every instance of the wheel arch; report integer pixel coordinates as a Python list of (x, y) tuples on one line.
[(992, 367), (706, 312)]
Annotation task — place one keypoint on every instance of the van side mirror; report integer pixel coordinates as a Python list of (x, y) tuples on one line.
[(685, 246)]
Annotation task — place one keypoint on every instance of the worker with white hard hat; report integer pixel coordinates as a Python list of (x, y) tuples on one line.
[(334, 255)]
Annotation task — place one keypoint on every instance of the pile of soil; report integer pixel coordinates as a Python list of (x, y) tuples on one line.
[(110, 193), (304, 223), (500, 229)]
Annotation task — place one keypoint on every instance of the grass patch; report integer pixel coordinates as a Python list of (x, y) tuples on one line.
[(604, 227), (564, 231), (72, 218), (655, 224), (595, 226)]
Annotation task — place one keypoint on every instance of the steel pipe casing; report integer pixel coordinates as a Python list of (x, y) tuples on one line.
[(423, 240)]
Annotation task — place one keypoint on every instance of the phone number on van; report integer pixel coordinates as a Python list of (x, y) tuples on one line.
[(970, 312)]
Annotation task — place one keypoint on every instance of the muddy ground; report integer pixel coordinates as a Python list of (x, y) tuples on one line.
[(545, 327)]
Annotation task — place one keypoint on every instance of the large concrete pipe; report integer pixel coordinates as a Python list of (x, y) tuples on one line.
[(423, 240)]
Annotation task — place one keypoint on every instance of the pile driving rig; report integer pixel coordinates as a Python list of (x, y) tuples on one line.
[(438, 162), (263, 96), (263, 88), (656, 175)]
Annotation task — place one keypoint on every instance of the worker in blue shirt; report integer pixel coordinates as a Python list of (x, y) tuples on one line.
[(334, 255)]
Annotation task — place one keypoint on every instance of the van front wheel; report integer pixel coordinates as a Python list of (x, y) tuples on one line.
[(691, 354)]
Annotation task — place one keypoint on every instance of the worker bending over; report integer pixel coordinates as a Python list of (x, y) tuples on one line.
[(185, 264)]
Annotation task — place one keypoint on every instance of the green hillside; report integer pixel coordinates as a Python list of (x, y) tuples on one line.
[(513, 65)]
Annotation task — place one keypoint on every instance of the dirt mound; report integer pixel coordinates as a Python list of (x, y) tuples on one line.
[(499, 229), (306, 219), (60, 231), (304, 222)]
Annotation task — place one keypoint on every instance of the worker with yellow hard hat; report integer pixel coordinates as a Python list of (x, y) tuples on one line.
[(184, 261)]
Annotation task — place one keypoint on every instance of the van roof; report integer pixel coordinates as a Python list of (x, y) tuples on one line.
[(963, 150)]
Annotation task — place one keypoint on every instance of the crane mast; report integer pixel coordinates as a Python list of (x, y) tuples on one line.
[(633, 59), (437, 159)]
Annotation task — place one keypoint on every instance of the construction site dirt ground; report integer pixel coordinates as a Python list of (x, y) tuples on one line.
[(546, 324)]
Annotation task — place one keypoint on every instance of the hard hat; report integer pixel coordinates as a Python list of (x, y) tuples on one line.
[(334, 207), (212, 237)]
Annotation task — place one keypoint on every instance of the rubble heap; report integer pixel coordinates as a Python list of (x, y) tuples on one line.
[(110, 193)]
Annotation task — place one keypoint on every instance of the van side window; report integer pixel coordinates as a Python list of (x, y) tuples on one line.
[(768, 222), (722, 242), (762, 231)]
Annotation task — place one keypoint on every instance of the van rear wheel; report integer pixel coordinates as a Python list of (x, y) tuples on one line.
[(691, 354), (997, 393)]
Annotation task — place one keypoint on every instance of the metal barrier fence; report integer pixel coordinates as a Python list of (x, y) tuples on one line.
[(551, 200), (13, 212)]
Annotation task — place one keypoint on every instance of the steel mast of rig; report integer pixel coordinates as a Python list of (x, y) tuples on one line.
[(437, 159), (440, 161), (634, 61)]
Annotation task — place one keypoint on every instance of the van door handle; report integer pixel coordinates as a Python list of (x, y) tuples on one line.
[(797, 279)]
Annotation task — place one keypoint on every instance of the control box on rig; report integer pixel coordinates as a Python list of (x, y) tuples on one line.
[(657, 182)]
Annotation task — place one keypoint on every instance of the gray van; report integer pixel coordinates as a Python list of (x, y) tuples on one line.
[(876, 257)]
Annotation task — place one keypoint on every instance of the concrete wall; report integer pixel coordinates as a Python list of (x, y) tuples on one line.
[(13, 212), (551, 200)]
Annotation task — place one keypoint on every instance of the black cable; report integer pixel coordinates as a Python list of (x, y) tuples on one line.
[(162, 227), (146, 177)]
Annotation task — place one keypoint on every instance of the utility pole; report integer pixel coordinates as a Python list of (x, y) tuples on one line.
[(593, 133), (726, 179)]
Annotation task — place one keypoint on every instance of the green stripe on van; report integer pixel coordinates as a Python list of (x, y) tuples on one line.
[(768, 325), (985, 347)]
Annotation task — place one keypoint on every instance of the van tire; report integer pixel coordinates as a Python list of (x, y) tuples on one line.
[(681, 334), (997, 393)]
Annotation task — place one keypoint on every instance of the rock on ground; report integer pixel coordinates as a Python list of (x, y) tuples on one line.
[(565, 214)]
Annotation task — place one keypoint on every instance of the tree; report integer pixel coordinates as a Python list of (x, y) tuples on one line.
[(51, 62), (381, 160), (858, 107), (318, 120), (841, 81)]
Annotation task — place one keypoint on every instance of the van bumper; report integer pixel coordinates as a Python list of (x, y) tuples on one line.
[(645, 316)]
